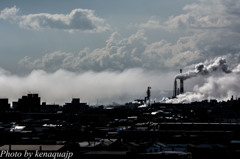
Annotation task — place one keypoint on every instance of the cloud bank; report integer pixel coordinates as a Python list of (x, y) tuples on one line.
[(76, 20), (105, 87), (213, 79), (118, 54)]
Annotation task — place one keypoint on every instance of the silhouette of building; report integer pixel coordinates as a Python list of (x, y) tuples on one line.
[(75, 106), (49, 108), (4, 105), (29, 103)]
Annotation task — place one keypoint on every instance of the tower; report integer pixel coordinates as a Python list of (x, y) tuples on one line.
[(181, 84), (148, 96), (175, 88)]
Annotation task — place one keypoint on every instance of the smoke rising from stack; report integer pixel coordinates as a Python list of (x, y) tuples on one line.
[(219, 82), (204, 69)]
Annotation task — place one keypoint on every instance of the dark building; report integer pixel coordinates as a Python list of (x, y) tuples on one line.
[(4, 105), (49, 108), (75, 106), (29, 103), (5, 111)]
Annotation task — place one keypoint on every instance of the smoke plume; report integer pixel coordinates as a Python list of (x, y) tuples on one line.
[(204, 69), (214, 81)]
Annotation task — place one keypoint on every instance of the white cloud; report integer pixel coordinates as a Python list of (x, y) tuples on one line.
[(105, 86), (206, 15), (152, 23), (205, 30), (76, 20), (9, 14), (51, 61), (122, 86), (208, 29), (120, 53)]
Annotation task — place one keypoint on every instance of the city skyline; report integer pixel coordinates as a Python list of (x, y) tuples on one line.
[(112, 51)]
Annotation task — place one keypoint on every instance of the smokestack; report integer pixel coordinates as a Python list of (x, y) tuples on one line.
[(175, 89), (181, 84)]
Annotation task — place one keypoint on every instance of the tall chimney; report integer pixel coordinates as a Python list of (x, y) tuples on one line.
[(181, 84), (175, 88)]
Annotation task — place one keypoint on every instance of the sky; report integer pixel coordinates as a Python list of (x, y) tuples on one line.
[(111, 51)]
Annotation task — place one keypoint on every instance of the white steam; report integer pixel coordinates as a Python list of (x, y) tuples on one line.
[(217, 82), (204, 69)]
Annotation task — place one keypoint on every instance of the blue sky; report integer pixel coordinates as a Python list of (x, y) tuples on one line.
[(100, 39), (123, 17)]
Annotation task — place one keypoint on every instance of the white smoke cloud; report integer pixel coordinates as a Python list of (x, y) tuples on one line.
[(76, 20), (218, 81), (219, 86), (218, 63), (105, 86)]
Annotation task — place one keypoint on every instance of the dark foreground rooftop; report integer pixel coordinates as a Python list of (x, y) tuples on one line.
[(206, 129)]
